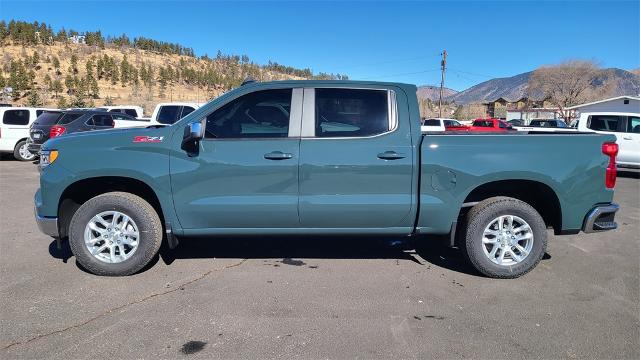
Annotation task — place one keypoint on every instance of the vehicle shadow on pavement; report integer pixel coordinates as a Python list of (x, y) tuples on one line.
[(293, 250)]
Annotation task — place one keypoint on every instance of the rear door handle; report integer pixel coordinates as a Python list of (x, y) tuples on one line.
[(391, 155), (627, 137), (277, 155)]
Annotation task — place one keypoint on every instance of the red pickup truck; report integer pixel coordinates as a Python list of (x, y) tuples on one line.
[(494, 125)]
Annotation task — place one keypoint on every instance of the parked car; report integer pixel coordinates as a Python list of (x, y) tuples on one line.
[(546, 125), (626, 128), (55, 123), (490, 125), (515, 122), (131, 110), (14, 130), (432, 125), (348, 157), (454, 125)]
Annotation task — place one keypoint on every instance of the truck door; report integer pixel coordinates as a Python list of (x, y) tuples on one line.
[(246, 172), (356, 160), (629, 142)]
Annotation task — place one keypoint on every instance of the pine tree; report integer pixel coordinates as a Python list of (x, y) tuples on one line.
[(62, 103), (34, 99), (56, 65), (56, 87), (73, 68), (124, 71)]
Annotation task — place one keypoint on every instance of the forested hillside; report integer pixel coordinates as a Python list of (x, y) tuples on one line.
[(45, 67)]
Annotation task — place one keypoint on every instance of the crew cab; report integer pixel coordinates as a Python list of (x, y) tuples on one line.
[(626, 128), (329, 158), (490, 125)]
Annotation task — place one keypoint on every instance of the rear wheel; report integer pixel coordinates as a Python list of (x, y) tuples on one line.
[(504, 237), (115, 234), (22, 153)]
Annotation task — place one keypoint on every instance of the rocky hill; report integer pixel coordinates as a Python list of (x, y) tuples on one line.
[(433, 92), (515, 87)]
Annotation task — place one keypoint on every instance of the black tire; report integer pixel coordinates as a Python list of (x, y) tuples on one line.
[(16, 152), (140, 211), (481, 215)]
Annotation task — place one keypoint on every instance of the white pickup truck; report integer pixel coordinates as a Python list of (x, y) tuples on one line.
[(163, 114), (624, 125)]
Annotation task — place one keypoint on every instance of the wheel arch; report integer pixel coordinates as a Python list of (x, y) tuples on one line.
[(78, 192), (539, 195)]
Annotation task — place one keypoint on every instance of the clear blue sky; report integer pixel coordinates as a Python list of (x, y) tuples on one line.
[(395, 41)]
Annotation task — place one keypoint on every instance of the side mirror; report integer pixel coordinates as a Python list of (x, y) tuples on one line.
[(193, 133)]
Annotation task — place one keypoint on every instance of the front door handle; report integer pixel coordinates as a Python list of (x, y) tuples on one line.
[(627, 137), (277, 155), (391, 155)]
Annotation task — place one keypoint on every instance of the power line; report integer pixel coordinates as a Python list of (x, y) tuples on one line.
[(409, 73), (473, 74), (391, 61)]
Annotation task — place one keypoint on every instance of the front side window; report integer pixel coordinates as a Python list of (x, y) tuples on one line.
[(451, 123), (431, 122), (633, 124), (169, 114), (351, 112), (16, 117), (604, 122), (120, 117), (131, 112), (260, 114)]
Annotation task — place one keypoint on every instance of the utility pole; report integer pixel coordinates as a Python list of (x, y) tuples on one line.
[(443, 67)]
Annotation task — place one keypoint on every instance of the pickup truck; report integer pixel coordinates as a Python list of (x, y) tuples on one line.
[(490, 125), (328, 158), (546, 125), (626, 128)]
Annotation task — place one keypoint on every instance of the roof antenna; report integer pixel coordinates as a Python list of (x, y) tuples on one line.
[(248, 80)]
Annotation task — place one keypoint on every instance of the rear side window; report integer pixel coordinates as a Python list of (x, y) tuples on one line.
[(451, 123), (131, 112), (169, 114), (120, 117), (101, 120), (431, 122), (633, 124), (604, 122), (48, 118), (68, 118), (16, 117), (186, 110), (351, 112)]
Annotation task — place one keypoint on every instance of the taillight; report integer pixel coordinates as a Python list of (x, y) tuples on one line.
[(611, 150), (56, 130)]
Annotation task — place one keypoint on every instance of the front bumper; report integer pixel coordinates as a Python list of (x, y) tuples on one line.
[(47, 225), (601, 218)]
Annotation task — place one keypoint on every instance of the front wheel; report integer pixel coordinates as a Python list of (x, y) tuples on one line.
[(504, 237), (115, 234), (22, 153)]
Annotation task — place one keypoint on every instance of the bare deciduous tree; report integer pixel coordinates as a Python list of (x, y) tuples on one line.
[(569, 83)]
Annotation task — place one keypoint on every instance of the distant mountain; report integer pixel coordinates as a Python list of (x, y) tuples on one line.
[(433, 92), (515, 87)]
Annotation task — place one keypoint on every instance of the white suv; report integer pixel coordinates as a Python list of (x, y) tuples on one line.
[(14, 130), (626, 128)]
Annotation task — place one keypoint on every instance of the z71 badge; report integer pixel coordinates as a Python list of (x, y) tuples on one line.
[(148, 139)]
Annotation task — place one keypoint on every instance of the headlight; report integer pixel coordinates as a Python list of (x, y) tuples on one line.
[(48, 157)]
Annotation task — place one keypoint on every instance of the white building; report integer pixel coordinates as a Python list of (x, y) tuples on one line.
[(628, 104)]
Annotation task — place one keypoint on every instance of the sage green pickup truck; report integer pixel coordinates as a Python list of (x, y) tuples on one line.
[(330, 158)]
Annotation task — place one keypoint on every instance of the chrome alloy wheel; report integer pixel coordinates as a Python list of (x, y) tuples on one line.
[(111, 236), (25, 153), (507, 240)]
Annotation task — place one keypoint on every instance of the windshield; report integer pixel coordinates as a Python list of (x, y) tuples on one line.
[(48, 118)]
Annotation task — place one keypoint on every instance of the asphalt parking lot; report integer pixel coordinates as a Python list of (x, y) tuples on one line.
[(317, 298)]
